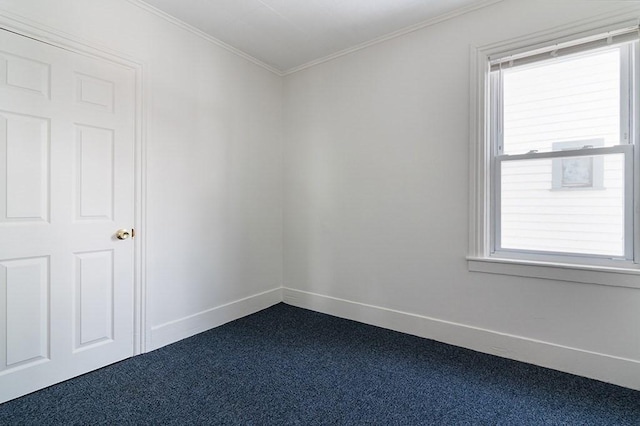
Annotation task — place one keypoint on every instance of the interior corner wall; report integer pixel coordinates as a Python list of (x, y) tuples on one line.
[(213, 161), (375, 197), (376, 203)]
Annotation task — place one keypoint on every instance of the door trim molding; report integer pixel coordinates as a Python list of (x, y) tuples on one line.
[(45, 34)]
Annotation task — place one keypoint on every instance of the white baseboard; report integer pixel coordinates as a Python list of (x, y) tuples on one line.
[(182, 328), (620, 371)]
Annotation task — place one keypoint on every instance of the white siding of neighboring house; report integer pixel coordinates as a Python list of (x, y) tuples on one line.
[(562, 101)]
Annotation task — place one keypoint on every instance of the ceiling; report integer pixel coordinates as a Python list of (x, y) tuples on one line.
[(289, 34)]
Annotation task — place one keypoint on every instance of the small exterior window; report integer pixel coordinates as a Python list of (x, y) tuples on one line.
[(578, 173), (562, 124)]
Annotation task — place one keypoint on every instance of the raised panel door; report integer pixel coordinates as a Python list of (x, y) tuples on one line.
[(67, 138)]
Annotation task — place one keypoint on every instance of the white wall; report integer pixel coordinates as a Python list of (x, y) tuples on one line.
[(376, 204), (214, 162), (375, 197)]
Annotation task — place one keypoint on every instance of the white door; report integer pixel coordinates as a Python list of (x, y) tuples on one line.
[(66, 186)]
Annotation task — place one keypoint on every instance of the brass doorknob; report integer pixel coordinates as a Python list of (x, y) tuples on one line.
[(123, 234)]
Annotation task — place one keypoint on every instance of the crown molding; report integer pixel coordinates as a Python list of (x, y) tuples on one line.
[(181, 24), (440, 18), (429, 22)]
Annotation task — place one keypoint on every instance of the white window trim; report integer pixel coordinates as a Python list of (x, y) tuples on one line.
[(478, 258)]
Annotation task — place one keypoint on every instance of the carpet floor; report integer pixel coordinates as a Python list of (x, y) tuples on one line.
[(286, 365)]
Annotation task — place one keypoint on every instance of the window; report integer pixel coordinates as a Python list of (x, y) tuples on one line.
[(575, 173), (559, 165)]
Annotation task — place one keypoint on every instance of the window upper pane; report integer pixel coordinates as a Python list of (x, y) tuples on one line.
[(569, 99)]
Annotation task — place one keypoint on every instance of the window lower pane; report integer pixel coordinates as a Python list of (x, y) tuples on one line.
[(565, 205)]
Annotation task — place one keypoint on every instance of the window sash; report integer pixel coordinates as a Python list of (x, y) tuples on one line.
[(496, 81), (578, 152), (496, 201)]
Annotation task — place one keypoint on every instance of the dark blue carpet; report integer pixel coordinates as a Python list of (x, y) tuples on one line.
[(287, 365)]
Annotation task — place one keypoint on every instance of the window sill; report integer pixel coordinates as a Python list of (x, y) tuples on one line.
[(599, 275)]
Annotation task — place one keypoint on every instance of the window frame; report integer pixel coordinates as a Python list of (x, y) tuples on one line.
[(481, 254)]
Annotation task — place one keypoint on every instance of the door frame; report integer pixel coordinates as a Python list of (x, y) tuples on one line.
[(42, 33)]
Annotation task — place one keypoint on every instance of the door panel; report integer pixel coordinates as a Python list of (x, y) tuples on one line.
[(24, 147), (24, 283), (66, 185), (25, 74), (96, 170), (93, 295)]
